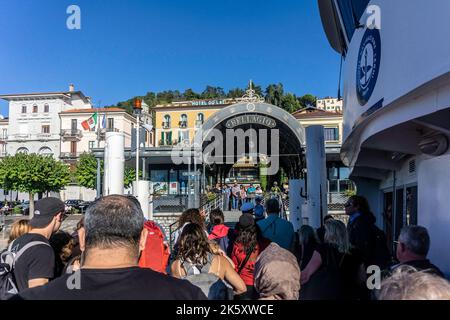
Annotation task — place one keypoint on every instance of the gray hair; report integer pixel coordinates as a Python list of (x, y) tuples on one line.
[(336, 234), (406, 283), (114, 221), (416, 239)]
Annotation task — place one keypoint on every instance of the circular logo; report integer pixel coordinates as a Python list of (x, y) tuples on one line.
[(368, 65)]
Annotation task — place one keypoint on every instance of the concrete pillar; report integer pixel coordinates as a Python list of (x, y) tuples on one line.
[(316, 175), (296, 189), (143, 196), (114, 163)]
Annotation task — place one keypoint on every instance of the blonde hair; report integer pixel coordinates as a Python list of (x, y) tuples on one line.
[(336, 234), (18, 228), (406, 283)]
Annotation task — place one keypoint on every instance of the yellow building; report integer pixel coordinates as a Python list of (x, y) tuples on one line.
[(179, 121)]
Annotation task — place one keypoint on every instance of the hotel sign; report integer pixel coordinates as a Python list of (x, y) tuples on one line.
[(251, 119)]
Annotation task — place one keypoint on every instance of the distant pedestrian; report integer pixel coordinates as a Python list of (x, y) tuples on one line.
[(277, 274), (277, 229), (242, 196), (235, 195), (259, 210)]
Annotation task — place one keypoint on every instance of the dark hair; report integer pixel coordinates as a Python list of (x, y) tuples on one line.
[(114, 221), (80, 224), (273, 206), (62, 244), (307, 236), (193, 245), (216, 217), (328, 217), (361, 203), (248, 236), (192, 216)]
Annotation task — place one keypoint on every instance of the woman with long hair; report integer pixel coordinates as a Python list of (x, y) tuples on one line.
[(188, 216), (308, 243), (18, 228), (336, 264), (248, 245), (196, 257)]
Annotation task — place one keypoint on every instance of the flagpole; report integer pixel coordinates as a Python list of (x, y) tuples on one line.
[(99, 177)]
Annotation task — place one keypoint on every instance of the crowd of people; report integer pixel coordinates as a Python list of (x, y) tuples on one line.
[(115, 254)]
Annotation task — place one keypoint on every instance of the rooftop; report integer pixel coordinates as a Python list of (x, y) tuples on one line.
[(93, 110), (315, 113)]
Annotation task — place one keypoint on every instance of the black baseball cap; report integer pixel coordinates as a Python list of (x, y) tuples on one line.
[(45, 210), (246, 220)]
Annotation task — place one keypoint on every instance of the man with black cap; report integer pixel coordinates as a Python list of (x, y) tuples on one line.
[(35, 267)]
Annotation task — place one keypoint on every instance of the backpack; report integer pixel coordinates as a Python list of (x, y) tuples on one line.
[(211, 285), (8, 259), (156, 254)]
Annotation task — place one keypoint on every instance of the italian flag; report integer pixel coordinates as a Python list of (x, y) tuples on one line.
[(90, 123)]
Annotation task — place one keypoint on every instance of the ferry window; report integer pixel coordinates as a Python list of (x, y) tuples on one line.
[(351, 12)]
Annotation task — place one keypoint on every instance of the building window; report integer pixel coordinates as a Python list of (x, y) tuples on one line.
[(46, 108), (200, 119), (183, 136), (183, 121), (166, 138), (110, 124), (45, 129), (22, 150), (45, 151), (91, 145), (166, 123), (331, 134), (35, 109), (24, 109)]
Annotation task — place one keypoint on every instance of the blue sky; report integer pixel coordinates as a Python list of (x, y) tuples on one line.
[(126, 48)]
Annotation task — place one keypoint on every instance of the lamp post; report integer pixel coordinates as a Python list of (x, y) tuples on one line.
[(137, 112)]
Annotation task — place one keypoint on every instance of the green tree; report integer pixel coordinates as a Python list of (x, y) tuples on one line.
[(235, 93), (290, 103), (190, 95), (213, 93), (274, 94), (33, 174), (86, 172), (307, 100)]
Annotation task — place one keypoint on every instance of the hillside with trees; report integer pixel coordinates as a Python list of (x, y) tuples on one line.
[(273, 94)]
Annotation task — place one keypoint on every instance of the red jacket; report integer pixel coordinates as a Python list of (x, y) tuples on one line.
[(238, 256)]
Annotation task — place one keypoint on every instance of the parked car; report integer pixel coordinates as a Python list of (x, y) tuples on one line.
[(75, 204)]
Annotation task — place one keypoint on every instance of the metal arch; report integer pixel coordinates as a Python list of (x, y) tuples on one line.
[(242, 108)]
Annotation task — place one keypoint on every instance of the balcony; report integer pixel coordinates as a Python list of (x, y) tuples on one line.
[(20, 137), (3, 140), (70, 155), (71, 134), (183, 124), (167, 143), (166, 125)]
